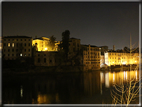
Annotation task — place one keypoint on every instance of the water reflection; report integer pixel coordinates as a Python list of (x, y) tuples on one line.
[(61, 89), (118, 77)]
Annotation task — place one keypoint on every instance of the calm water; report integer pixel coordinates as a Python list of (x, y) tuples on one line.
[(71, 88)]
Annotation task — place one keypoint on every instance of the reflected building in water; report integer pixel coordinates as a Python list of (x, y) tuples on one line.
[(110, 78)]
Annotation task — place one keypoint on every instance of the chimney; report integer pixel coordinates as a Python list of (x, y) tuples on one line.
[(113, 47)]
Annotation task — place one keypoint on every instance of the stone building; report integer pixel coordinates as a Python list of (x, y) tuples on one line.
[(121, 58), (43, 44), (16, 46), (45, 58), (91, 57)]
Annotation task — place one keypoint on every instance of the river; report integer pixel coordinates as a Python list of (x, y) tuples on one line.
[(65, 88)]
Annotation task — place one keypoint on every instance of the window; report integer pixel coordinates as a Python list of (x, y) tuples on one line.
[(17, 39), (8, 54), (12, 50), (29, 50), (25, 50), (12, 44), (8, 50), (25, 39), (25, 44), (25, 54), (50, 61), (4, 44), (38, 60), (8, 44), (17, 44), (8, 39), (21, 44), (21, 39), (29, 39), (44, 54), (16, 50), (29, 44), (29, 54), (44, 60), (12, 54), (38, 54), (16, 54)]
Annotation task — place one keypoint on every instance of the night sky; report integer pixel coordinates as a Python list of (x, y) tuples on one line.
[(94, 23)]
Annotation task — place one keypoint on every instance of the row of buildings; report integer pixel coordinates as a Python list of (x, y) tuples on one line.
[(91, 57)]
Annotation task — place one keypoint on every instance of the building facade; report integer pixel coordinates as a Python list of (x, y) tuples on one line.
[(121, 58), (45, 58), (43, 44), (16, 46), (91, 57)]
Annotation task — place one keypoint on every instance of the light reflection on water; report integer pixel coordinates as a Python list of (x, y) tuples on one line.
[(71, 88)]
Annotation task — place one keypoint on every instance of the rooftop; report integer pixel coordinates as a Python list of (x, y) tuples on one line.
[(16, 36)]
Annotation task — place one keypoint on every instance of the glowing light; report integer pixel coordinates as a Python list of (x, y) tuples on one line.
[(124, 63), (113, 77), (135, 61), (107, 80), (124, 75), (21, 54), (21, 91), (136, 75), (45, 48)]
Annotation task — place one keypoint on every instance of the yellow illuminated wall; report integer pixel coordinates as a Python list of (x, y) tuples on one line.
[(43, 44), (114, 58)]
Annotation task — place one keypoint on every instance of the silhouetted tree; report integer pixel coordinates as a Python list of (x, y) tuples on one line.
[(65, 42), (52, 41)]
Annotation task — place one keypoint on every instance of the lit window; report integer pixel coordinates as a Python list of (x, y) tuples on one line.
[(21, 54), (25, 54), (8, 44), (12, 44)]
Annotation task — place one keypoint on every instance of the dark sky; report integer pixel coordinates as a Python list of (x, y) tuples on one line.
[(94, 23)]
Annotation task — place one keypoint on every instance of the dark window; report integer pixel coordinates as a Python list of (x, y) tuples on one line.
[(4, 50), (17, 39), (38, 60), (25, 50), (8, 50), (8, 54), (21, 39), (29, 50), (4, 44), (8, 39), (44, 60), (29, 39), (50, 61), (38, 54), (16, 54), (12, 54), (4, 39), (29, 44), (17, 44), (16, 50), (21, 44), (44, 54), (29, 54), (25, 39), (12, 50), (25, 44)]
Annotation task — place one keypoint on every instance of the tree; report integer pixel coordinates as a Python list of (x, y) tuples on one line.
[(52, 41), (65, 42)]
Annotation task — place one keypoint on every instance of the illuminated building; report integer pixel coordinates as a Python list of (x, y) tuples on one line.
[(16, 46), (121, 58), (43, 44), (91, 57)]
